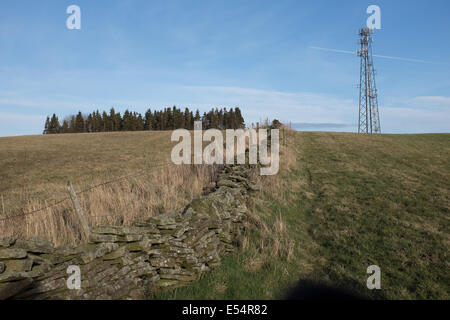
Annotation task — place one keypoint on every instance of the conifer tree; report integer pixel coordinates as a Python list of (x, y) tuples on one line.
[(54, 126), (105, 122), (98, 121), (240, 123), (89, 123), (72, 124), (164, 119), (47, 126), (197, 115), (148, 121), (187, 119), (79, 123), (118, 122), (139, 123), (220, 119), (65, 126), (191, 122), (126, 121), (112, 119), (225, 118), (212, 119), (205, 121)]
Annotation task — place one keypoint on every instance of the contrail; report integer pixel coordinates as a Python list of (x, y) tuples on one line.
[(378, 56), (332, 50)]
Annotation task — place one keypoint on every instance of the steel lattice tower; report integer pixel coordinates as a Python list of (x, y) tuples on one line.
[(369, 118)]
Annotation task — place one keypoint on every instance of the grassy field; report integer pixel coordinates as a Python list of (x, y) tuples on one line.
[(340, 203), (41, 166), (33, 164), (349, 201)]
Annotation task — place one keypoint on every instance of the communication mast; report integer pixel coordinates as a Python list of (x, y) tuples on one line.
[(369, 118)]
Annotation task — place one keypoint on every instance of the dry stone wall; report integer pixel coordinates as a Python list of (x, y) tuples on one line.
[(120, 262)]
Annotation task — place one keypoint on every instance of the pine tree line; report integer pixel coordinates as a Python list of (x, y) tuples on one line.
[(167, 119)]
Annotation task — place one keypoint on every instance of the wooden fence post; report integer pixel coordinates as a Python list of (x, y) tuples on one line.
[(76, 205), (286, 138), (3, 206)]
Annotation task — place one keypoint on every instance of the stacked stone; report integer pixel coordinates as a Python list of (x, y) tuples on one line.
[(133, 262)]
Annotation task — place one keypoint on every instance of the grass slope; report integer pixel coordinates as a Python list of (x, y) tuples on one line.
[(34, 171), (350, 201), (30, 164)]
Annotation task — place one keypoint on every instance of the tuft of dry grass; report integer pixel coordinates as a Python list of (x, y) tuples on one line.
[(288, 160), (119, 203), (273, 239)]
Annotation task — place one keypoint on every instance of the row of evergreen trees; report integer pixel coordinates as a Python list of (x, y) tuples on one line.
[(167, 119)]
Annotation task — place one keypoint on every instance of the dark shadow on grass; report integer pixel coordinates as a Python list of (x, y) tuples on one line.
[(312, 290), (335, 288)]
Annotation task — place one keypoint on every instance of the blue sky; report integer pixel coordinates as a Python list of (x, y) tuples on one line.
[(257, 55)]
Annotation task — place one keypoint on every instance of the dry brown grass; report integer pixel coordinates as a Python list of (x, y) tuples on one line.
[(40, 166), (119, 203), (43, 164), (272, 185), (273, 240)]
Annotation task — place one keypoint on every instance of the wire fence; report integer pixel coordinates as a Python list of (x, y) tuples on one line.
[(31, 197), (149, 169), (84, 190), (34, 211), (121, 212)]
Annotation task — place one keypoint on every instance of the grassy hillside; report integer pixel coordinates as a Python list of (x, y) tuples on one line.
[(348, 201), (30, 164), (340, 203), (34, 171)]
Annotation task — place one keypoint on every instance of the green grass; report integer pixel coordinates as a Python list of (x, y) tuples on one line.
[(350, 201)]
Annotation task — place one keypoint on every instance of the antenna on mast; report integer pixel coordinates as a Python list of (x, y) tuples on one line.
[(369, 118)]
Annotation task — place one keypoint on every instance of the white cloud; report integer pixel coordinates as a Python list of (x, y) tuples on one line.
[(409, 120), (431, 101), (410, 116), (286, 106)]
